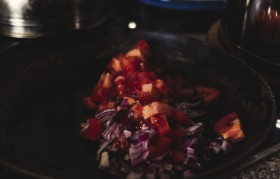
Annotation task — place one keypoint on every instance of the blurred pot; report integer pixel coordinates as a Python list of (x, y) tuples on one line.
[(253, 26), (32, 18)]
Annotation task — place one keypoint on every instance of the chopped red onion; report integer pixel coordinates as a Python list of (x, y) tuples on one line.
[(151, 131), (145, 128), (193, 130), (113, 131), (226, 146), (135, 136), (143, 136), (215, 147), (106, 115), (138, 152), (189, 143), (127, 133), (191, 154), (124, 103)]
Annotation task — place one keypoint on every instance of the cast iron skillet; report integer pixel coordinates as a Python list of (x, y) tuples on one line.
[(43, 81)]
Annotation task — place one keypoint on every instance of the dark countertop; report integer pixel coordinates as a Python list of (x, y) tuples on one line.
[(265, 164)]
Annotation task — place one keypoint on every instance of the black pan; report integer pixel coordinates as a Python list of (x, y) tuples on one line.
[(43, 81)]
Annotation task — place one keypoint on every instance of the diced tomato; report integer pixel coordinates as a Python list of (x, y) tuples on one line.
[(160, 121), (120, 85), (130, 64), (146, 78), (161, 147), (107, 81), (230, 127), (155, 108), (115, 66), (88, 103), (143, 46), (130, 100), (102, 90), (162, 88), (106, 105), (92, 130), (208, 94), (132, 81), (150, 89), (144, 97), (137, 111), (178, 156), (98, 95), (140, 50), (135, 52), (223, 124)]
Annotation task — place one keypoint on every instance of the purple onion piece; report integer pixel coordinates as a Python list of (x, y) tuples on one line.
[(193, 130), (135, 136), (226, 146), (215, 147), (143, 137), (219, 145), (124, 103), (138, 152), (190, 143), (127, 133), (106, 115), (113, 131), (190, 154)]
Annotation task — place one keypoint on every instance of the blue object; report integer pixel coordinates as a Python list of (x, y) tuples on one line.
[(192, 5)]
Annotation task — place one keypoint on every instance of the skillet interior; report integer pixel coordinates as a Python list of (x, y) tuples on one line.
[(43, 81)]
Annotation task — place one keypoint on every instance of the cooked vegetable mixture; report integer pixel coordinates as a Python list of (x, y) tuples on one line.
[(146, 122)]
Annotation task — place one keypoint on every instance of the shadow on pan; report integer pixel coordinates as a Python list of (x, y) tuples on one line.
[(43, 82)]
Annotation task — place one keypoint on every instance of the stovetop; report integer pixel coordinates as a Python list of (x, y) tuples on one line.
[(198, 24)]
